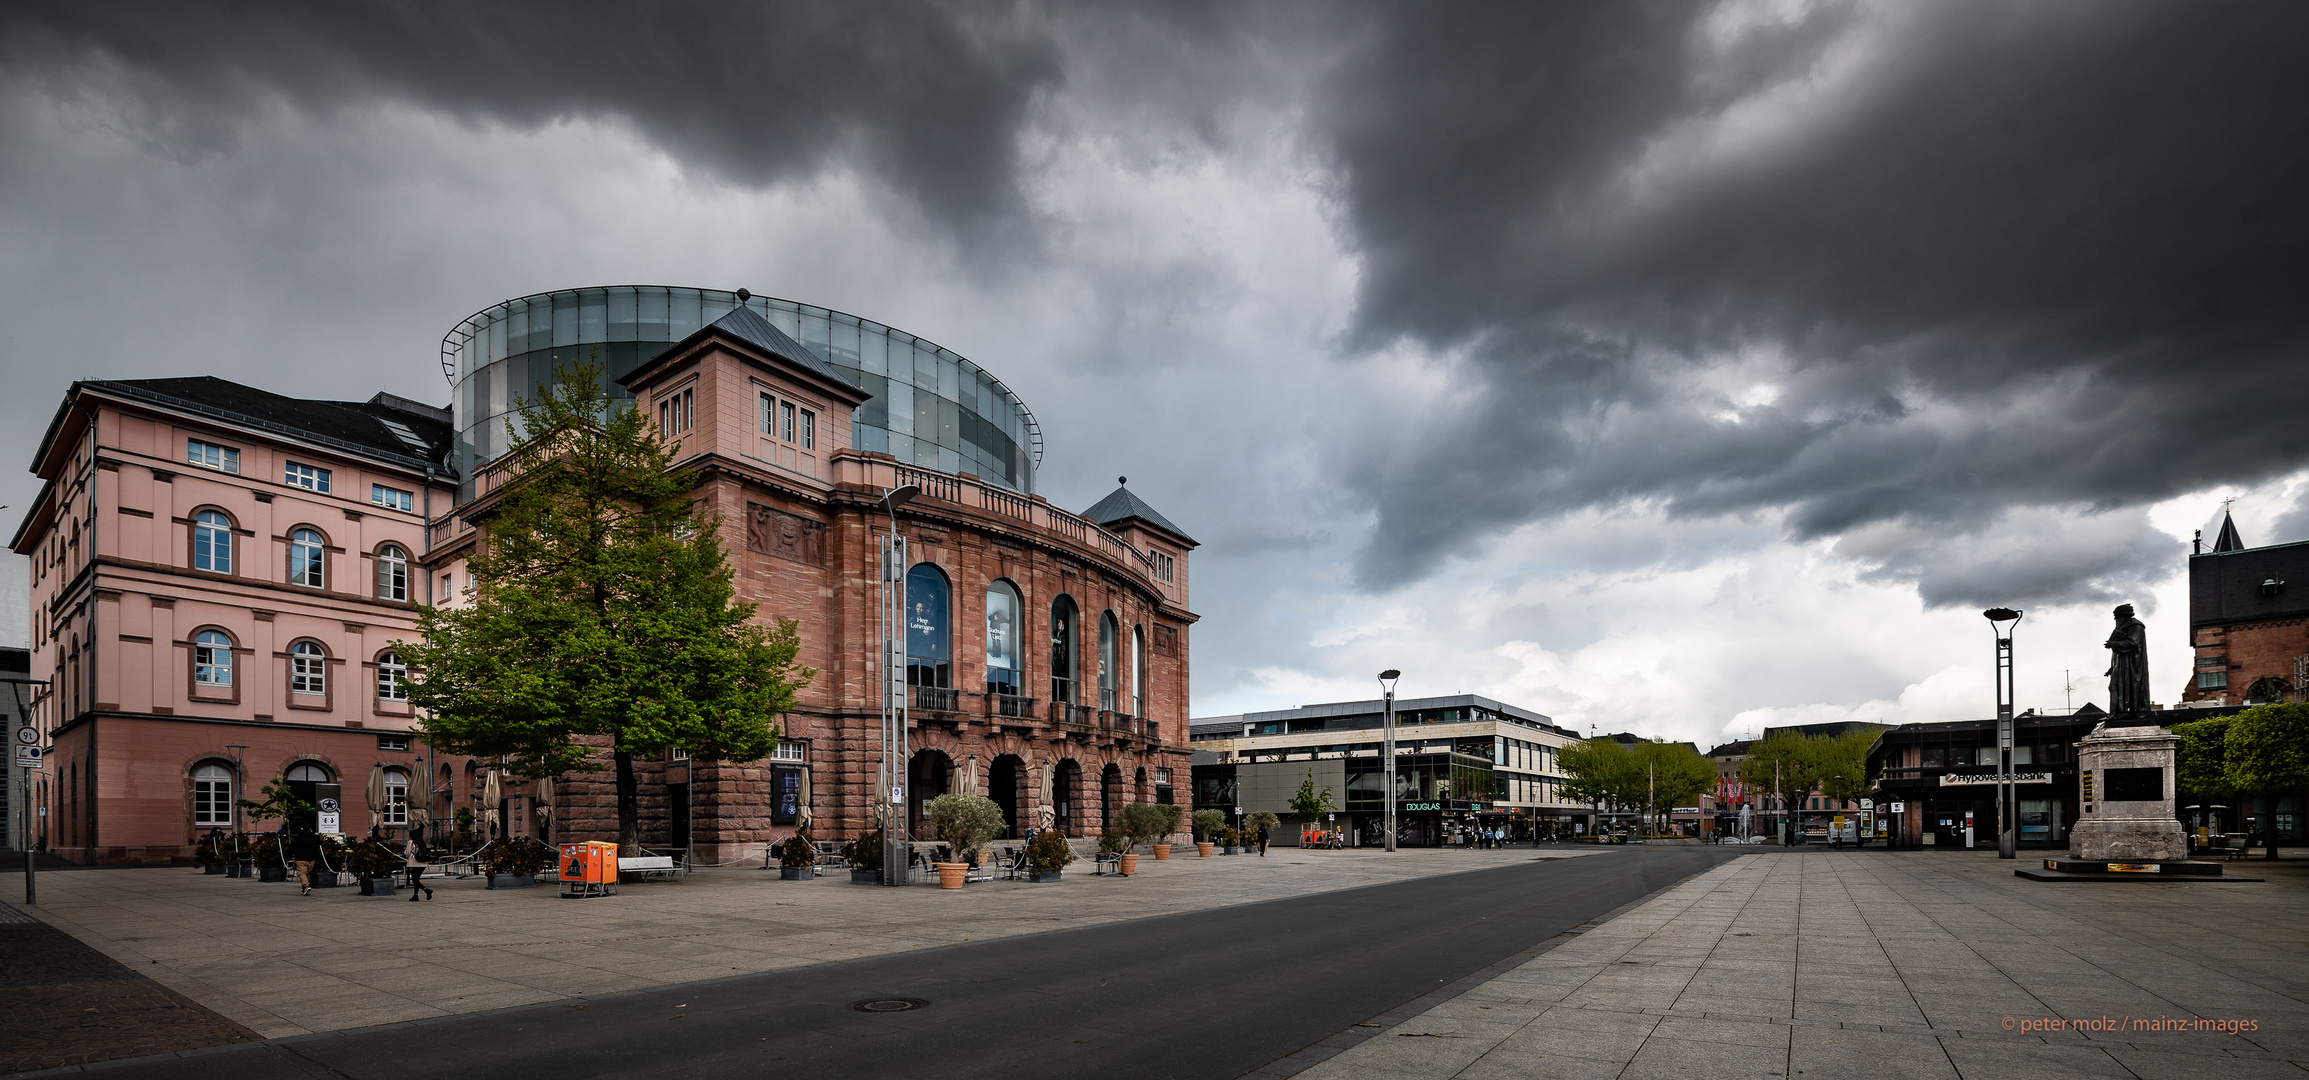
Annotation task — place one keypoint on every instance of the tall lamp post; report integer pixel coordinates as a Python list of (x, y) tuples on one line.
[(1387, 751), (2007, 829), (890, 781)]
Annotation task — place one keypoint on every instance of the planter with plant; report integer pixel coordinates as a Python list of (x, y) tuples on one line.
[(512, 863), (205, 853), (1047, 856), (796, 857), (374, 865), (1207, 825), (1145, 823), (1173, 815), (1230, 841), (1111, 846), (865, 858), (965, 823), (266, 855)]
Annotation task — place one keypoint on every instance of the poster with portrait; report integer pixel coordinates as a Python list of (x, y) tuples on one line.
[(1001, 629)]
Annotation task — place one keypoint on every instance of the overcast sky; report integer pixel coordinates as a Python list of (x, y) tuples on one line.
[(1680, 368)]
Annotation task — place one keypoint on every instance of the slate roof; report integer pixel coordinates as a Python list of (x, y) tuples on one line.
[(2249, 584), (1122, 505), (745, 323), (367, 428), (2228, 540)]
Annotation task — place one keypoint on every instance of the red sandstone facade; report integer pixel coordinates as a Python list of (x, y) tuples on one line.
[(802, 525)]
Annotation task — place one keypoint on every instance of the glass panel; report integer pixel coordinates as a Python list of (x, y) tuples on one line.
[(901, 446), (925, 423), (925, 366), (900, 403), (876, 439), (622, 302), (786, 317), (516, 327), (926, 453), (815, 330), (564, 319), (949, 377), (592, 316), (650, 324), (683, 307), (949, 424), (844, 344), (874, 353), (1001, 627), (943, 459), (715, 304)]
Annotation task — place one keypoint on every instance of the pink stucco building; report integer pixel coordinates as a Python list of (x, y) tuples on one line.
[(218, 576)]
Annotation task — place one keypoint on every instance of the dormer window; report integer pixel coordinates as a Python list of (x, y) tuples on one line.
[(677, 413)]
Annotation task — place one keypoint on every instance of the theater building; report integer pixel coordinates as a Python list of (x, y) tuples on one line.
[(219, 573), (1046, 659)]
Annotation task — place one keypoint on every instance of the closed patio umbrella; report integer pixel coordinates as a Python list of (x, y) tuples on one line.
[(803, 816), (1045, 815), (376, 796), (491, 796), (541, 807)]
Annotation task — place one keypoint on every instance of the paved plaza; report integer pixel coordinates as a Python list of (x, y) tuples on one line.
[(1883, 965), (260, 955)]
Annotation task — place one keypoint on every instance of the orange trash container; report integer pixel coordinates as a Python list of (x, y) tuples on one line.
[(588, 868)]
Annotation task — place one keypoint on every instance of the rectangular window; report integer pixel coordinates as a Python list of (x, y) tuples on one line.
[(447, 585), (786, 421), (212, 456), (396, 798), (809, 430), (765, 413), (2212, 680), (392, 742), (212, 802), (306, 476), (787, 751), (392, 498), (677, 413), (392, 679), (1163, 566)]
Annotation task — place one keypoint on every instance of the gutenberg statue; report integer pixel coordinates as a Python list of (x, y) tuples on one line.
[(2128, 672)]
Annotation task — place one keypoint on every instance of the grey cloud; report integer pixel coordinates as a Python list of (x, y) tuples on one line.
[(910, 91), (2030, 255)]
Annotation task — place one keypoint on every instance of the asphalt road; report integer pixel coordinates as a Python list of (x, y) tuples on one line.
[(1206, 994)]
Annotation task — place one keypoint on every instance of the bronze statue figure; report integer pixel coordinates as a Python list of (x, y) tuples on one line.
[(2128, 671)]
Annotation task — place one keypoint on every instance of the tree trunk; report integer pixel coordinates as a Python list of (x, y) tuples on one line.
[(628, 805)]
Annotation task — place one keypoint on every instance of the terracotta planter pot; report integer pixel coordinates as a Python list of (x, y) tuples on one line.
[(1162, 852), (1202, 850), (950, 874), (1129, 863)]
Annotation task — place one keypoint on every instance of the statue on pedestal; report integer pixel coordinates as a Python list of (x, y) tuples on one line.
[(2128, 671)]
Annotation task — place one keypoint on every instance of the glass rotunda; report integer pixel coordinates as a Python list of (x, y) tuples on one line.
[(930, 406)]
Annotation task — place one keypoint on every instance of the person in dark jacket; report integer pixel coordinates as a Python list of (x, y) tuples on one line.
[(304, 851), (414, 859), (1262, 840)]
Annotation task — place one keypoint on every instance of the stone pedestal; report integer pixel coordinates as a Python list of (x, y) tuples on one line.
[(2126, 774)]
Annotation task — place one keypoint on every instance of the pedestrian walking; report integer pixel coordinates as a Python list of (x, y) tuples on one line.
[(414, 857), (304, 851), (1262, 840)]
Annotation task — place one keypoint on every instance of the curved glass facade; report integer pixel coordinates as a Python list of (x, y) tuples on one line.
[(929, 406)]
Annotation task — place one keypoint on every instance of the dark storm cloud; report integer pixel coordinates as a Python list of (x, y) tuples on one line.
[(2028, 255), (906, 90)]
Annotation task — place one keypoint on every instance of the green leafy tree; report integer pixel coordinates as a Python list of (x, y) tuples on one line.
[(1207, 823), (606, 613), (1598, 771), (2201, 769), (1309, 803), (1785, 765), (278, 802), (1671, 775), (1145, 823), (2266, 752), (966, 822), (1842, 765)]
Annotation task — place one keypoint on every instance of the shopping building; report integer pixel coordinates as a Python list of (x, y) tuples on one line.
[(220, 573), (1462, 762)]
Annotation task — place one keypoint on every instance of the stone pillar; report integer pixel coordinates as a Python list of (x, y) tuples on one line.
[(2126, 774)]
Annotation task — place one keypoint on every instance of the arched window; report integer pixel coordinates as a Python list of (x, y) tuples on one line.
[(1106, 666), (212, 542), (308, 554), (392, 677), (212, 659), (308, 668), (392, 573), (212, 795), (1003, 674), (308, 772), (1138, 671), (1062, 650), (396, 797), (929, 652)]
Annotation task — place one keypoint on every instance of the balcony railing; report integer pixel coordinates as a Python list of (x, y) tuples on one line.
[(1071, 715), (937, 699), (974, 493), (1014, 705)]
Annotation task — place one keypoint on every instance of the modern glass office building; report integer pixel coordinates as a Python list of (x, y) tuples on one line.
[(930, 407)]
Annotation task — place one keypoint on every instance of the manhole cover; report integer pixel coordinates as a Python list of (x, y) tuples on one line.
[(888, 1004)]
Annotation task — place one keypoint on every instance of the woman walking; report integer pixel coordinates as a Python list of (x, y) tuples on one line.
[(413, 858)]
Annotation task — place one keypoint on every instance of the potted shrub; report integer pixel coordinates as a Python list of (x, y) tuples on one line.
[(374, 865), (266, 854), (965, 823), (511, 863), (1257, 820), (1231, 841), (1207, 824), (865, 857), (1172, 815), (1047, 856), (1145, 823), (796, 857), (334, 855), (204, 852)]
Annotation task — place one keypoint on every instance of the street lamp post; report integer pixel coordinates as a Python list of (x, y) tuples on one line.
[(1387, 752), (890, 780), (2007, 829)]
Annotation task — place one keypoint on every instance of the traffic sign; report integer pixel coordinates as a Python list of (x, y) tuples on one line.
[(28, 735), (27, 757)]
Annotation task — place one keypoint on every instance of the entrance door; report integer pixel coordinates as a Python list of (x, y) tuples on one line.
[(677, 807), (305, 780)]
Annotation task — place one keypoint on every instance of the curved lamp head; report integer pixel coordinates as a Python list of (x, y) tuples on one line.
[(900, 496), (2001, 620), (1390, 675)]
